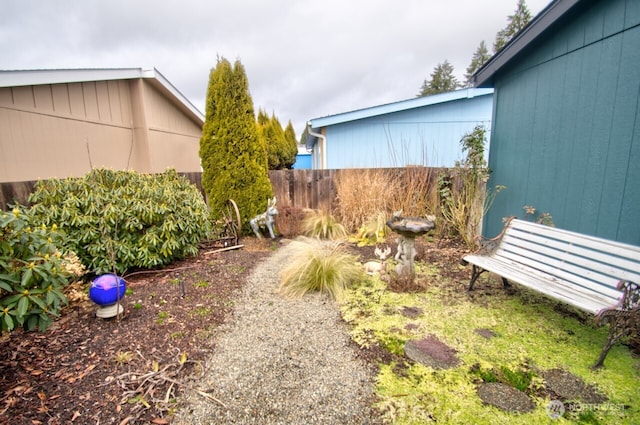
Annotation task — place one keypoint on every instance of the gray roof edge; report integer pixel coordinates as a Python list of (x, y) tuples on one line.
[(539, 24), (34, 77), (403, 105)]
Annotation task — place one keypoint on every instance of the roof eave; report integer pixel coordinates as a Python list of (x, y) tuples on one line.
[(400, 106), (17, 78)]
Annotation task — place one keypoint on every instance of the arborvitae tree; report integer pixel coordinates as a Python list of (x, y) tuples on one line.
[(273, 137), (232, 157), (442, 80), (480, 57), (516, 22), (291, 146)]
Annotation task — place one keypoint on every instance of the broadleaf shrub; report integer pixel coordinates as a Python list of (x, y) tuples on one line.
[(33, 272), (118, 220)]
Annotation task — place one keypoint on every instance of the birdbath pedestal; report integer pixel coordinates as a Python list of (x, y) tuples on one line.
[(408, 228)]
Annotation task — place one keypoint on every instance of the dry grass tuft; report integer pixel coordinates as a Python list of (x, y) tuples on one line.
[(319, 266), (322, 225)]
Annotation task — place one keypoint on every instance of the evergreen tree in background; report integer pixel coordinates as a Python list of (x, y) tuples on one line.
[(292, 145), (480, 57), (281, 152), (442, 80), (303, 137), (516, 22), (232, 157)]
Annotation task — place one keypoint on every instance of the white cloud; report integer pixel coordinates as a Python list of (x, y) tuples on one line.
[(304, 59)]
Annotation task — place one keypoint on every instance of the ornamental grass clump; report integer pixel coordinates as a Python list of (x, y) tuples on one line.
[(319, 266), (322, 225)]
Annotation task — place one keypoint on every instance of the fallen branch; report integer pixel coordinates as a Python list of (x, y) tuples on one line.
[(210, 397), (229, 248)]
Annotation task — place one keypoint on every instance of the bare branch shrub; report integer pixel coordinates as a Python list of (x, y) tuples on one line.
[(362, 193), (289, 221)]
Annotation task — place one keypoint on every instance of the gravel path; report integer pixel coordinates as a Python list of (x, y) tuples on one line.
[(282, 361)]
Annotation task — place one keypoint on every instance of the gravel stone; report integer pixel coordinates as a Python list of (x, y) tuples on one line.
[(282, 361)]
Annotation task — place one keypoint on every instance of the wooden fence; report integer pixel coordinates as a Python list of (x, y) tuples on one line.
[(313, 189)]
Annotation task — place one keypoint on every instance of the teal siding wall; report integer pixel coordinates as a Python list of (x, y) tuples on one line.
[(566, 128)]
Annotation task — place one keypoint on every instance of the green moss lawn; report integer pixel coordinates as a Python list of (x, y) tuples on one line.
[(529, 334)]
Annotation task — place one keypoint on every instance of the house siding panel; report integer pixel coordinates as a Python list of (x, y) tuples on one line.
[(43, 98), (571, 123), (90, 99), (22, 97), (427, 136), (76, 101), (61, 102)]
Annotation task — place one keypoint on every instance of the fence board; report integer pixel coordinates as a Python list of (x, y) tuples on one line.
[(314, 189), (15, 193)]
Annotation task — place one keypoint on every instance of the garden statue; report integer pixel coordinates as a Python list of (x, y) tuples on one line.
[(265, 219), (371, 267)]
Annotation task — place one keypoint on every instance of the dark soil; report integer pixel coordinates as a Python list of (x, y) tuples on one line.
[(86, 370)]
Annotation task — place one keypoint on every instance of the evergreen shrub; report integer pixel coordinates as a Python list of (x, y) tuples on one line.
[(118, 220), (233, 156), (33, 272)]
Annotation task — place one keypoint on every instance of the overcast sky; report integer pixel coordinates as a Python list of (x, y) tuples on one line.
[(304, 59)]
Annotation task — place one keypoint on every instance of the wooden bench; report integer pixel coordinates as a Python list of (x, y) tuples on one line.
[(593, 274)]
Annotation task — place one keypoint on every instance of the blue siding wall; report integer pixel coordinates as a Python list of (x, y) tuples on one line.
[(303, 162), (566, 129), (428, 135)]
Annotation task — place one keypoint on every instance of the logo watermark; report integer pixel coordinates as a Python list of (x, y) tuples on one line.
[(556, 408)]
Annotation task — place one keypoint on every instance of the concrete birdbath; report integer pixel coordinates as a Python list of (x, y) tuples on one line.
[(409, 228)]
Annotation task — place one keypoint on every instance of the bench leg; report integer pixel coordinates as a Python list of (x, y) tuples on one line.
[(616, 332), (505, 283), (475, 272), (624, 318)]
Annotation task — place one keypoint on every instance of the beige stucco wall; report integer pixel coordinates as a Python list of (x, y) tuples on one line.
[(61, 130)]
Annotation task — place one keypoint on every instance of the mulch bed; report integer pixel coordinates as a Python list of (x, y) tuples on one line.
[(88, 370)]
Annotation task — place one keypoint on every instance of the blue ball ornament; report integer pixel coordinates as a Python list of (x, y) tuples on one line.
[(106, 289)]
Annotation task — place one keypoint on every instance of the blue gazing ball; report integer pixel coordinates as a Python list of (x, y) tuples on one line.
[(106, 289)]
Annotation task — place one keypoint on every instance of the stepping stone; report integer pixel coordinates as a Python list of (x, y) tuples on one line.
[(411, 312), (568, 386), (505, 397), (485, 333), (431, 352)]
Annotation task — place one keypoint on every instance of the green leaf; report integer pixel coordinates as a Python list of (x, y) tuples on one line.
[(26, 277), (23, 306), (8, 323), (38, 301)]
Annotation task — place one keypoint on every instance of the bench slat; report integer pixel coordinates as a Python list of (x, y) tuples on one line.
[(597, 283), (580, 266), (599, 244), (581, 255), (591, 302)]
